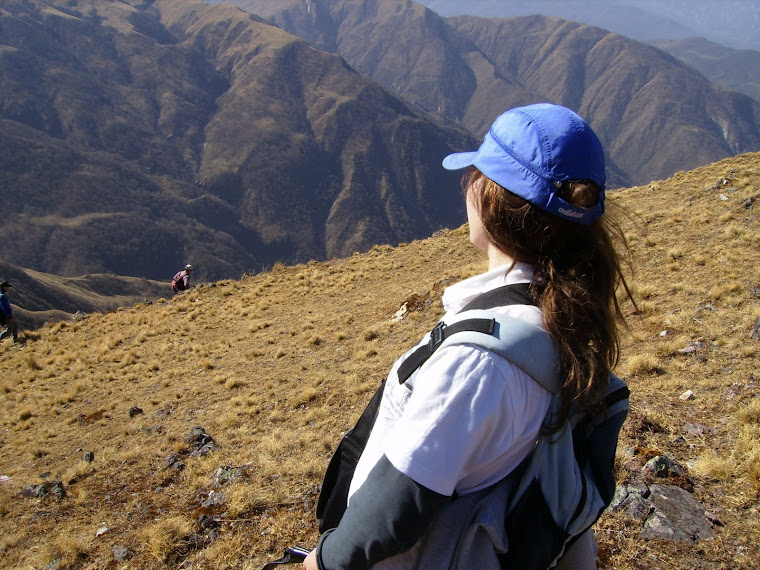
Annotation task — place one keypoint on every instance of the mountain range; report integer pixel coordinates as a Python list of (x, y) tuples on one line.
[(720, 40), (654, 114), (139, 136), (732, 23)]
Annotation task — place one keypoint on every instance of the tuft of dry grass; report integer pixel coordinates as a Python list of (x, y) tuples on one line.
[(163, 538), (370, 334), (65, 550), (713, 466), (749, 415), (643, 365)]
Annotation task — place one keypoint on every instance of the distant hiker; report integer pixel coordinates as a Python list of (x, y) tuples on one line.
[(462, 420), (6, 314), (181, 280)]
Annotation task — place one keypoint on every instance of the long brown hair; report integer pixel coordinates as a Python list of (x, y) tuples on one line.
[(577, 272)]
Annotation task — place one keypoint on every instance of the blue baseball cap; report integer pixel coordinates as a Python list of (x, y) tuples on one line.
[(532, 150)]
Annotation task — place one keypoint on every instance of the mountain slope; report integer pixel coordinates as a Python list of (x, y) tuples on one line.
[(275, 367), (654, 115), (738, 70), (404, 46), (138, 137)]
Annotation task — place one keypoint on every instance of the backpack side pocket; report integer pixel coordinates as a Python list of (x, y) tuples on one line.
[(333, 497)]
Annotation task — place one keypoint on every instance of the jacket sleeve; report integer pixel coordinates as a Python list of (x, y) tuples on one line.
[(5, 307), (386, 516)]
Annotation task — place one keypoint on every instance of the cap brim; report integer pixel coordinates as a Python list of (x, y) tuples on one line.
[(459, 160)]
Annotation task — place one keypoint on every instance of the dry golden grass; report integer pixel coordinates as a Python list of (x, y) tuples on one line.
[(163, 538), (276, 366)]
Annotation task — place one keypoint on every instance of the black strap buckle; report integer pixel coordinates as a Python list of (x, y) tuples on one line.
[(437, 336), (291, 556)]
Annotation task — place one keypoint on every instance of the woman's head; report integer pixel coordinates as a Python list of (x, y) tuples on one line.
[(540, 200), (523, 231)]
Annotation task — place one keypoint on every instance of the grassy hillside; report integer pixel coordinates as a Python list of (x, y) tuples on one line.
[(275, 367)]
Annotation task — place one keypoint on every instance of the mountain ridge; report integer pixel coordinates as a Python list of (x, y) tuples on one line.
[(40, 298), (736, 70), (731, 22)]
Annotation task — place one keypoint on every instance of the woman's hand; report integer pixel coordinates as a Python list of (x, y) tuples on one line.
[(310, 562)]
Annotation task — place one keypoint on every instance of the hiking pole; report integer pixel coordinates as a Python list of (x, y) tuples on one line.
[(291, 556)]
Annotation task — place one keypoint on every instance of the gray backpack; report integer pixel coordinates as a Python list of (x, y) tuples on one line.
[(560, 489)]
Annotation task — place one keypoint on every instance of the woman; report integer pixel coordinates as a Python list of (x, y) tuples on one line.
[(535, 203)]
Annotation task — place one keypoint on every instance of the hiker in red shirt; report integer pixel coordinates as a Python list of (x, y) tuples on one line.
[(181, 280)]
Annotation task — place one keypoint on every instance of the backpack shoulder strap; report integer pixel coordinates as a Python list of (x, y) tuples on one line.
[(514, 294), (527, 346)]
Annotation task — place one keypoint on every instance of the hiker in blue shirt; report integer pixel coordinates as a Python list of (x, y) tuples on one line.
[(6, 314), (534, 193)]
